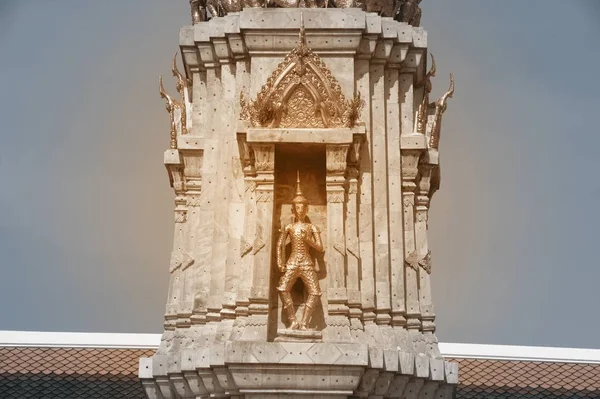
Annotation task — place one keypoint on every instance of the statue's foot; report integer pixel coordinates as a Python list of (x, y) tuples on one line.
[(294, 325), (304, 327)]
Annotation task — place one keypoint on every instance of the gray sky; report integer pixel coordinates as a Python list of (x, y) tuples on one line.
[(86, 208)]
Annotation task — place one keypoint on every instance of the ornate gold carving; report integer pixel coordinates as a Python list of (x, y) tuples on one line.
[(178, 119), (440, 107), (423, 112), (301, 93), (170, 106), (300, 264)]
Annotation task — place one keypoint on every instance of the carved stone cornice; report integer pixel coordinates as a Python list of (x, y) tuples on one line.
[(174, 164), (264, 158), (336, 158), (246, 155)]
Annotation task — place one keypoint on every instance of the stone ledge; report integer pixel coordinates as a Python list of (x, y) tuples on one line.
[(304, 136), (296, 353), (190, 142)]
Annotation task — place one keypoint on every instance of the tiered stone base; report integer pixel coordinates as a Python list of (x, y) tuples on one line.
[(302, 369)]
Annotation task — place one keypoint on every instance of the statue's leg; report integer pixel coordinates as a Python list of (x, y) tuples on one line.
[(285, 285), (311, 281), (309, 309)]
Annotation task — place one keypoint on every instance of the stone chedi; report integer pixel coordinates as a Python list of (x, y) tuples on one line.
[(303, 156)]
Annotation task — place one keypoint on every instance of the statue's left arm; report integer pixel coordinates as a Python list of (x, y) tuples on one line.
[(315, 239)]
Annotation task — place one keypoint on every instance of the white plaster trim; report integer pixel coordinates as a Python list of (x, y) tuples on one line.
[(151, 341), (78, 340), (520, 353)]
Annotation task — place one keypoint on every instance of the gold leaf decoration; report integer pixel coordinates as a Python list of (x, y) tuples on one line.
[(301, 93)]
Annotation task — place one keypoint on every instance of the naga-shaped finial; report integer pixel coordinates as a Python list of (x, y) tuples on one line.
[(440, 107), (176, 105), (182, 87), (427, 87), (170, 106), (182, 82), (302, 35)]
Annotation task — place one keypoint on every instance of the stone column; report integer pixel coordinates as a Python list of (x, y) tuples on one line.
[(422, 249), (338, 325), (240, 207), (192, 170), (365, 207), (258, 308), (380, 186), (396, 241), (203, 226), (224, 255), (173, 162), (224, 133), (352, 238), (410, 159), (246, 254)]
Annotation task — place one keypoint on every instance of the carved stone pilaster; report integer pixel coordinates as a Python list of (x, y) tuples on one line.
[(255, 326), (410, 159), (352, 238), (248, 239), (338, 324), (181, 259), (422, 247)]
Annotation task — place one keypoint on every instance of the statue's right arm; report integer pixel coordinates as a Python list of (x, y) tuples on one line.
[(280, 243)]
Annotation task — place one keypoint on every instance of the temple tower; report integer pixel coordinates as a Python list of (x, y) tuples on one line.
[(303, 156)]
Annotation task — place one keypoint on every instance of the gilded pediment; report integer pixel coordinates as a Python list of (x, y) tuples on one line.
[(301, 93)]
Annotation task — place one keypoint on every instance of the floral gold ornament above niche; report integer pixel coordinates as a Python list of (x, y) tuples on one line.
[(301, 93)]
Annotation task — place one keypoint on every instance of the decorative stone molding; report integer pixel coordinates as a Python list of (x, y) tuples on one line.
[(302, 93), (425, 263)]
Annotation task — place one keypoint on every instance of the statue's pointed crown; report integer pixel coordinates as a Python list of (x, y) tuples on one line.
[(299, 198)]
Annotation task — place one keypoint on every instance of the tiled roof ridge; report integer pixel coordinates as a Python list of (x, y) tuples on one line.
[(151, 341)]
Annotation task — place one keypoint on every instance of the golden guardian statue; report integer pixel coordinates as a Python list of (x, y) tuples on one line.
[(300, 264)]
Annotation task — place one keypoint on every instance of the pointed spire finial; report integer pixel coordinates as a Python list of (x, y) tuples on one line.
[(299, 198), (302, 31)]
